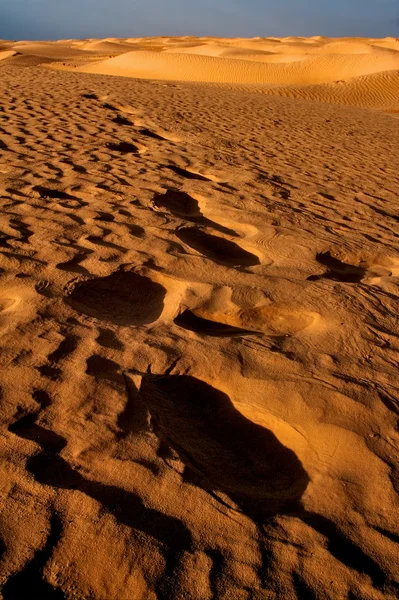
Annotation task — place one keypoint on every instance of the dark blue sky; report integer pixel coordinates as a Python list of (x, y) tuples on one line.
[(52, 19)]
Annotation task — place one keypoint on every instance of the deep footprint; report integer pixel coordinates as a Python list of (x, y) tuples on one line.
[(188, 174), (184, 206), (123, 298), (221, 449), (337, 270), (119, 120), (178, 204), (188, 320), (56, 194), (123, 147), (151, 134), (218, 249)]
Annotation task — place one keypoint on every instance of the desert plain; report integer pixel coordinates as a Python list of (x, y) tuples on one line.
[(199, 294)]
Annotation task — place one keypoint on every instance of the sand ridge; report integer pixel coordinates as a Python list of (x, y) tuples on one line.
[(198, 324), (200, 68), (318, 69)]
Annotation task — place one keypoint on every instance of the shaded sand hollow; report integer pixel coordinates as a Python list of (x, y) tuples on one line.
[(199, 273)]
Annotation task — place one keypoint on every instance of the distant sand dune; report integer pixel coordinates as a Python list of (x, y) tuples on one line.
[(199, 68), (378, 91), (48, 50), (107, 46), (6, 54)]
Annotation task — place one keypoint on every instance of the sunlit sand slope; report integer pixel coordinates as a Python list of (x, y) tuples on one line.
[(201, 68), (378, 90)]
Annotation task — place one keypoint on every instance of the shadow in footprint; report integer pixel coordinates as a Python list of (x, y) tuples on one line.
[(123, 147), (119, 120), (108, 339), (26, 428), (66, 347), (103, 368), (221, 449), (337, 270), (46, 192), (123, 298), (187, 174), (217, 249), (29, 582), (110, 107), (73, 265), (184, 206), (188, 320), (151, 134)]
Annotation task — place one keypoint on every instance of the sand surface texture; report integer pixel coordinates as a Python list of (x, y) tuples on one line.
[(198, 319)]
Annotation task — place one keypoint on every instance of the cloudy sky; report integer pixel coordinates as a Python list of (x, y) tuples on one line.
[(52, 19)]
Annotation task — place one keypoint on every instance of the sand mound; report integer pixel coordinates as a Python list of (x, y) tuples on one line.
[(183, 67), (390, 43), (107, 46), (48, 50), (6, 54), (378, 91)]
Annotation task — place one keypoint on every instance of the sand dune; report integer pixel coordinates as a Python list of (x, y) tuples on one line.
[(106, 46), (199, 286), (48, 50), (356, 72), (200, 68), (6, 54), (378, 90)]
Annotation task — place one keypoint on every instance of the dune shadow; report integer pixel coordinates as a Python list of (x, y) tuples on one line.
[(222, 450)]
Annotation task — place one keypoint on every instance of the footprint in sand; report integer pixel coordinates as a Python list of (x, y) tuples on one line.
[(190, 321), (125, 148), (123, 298), (338, 270), (66, 200), (7, 304), (371, 270), (185, 206), (151, 134), (188, 174), (120, 120), (277, 321), (218, 249), (268, 319), (222, 450)]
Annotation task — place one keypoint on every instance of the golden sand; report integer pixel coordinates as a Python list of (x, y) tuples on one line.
[(198, 317)]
